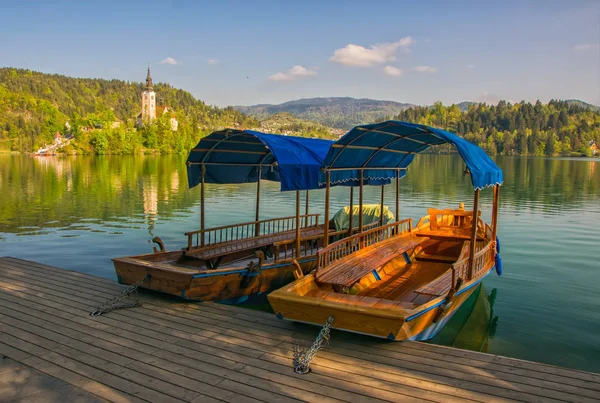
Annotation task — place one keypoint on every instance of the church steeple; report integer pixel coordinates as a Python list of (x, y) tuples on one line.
[(149, 80), (148, 102)]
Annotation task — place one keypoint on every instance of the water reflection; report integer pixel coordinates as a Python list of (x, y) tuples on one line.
[(473, 324), (52, 191)]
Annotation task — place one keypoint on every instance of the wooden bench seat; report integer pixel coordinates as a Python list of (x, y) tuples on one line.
[(350, 269), (237, 245)]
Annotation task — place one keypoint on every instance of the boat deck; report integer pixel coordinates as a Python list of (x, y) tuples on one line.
[(171, 351), (257, 242), (401, 285)]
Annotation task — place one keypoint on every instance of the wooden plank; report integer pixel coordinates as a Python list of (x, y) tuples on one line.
[(413, 343), (150, 371), (146, 370), (353, 366), (77, 290), (85, 377)]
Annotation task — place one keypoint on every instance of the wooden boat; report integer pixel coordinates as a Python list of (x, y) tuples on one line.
[(397, 281), (230, 263)]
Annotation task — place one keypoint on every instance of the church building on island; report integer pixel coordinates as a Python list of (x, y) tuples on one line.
[(148, 114)]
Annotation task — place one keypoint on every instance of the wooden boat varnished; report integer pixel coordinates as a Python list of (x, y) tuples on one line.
[(409, 287), (396, 281), (232, 264)]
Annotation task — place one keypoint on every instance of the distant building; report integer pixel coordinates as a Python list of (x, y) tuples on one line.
[(148, 102), (173, 120), (58, 138), (594, 147)]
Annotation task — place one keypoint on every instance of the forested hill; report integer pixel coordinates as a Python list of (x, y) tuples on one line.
[(558, 128), (34, 106), (338, 112)]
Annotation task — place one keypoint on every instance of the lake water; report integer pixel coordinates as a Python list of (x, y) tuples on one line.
[(78, 212)]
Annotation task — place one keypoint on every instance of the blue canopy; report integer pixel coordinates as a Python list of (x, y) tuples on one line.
[(234, 156), (389, 146)]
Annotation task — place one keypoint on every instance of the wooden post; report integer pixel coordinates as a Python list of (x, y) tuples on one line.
[(351, 215), (202, 169), (257, 226), (306, 210), (360, 203), (326, 228), (381, 206), (298, 224), (473, 234), (398, 196), (495, 208)]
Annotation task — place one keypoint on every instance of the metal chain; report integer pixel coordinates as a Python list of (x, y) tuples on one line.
[(111, 304), (302, 358)]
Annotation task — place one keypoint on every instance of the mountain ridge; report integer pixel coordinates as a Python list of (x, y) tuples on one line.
[(347, 112)]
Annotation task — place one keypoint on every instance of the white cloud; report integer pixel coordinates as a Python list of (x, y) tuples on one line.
[(471, 66), (393, 71), (213, 61), (584, 47), (359, 56), (424, 69), (294, 73), (169, 60)]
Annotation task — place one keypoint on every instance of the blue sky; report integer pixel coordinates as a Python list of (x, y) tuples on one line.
[(249, 52)]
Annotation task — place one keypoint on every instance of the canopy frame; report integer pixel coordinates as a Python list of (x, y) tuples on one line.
[(488, 174)]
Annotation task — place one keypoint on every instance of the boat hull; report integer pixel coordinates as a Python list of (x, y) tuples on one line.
[(205, 285)]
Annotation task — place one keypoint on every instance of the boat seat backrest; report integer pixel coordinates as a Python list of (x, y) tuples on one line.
[(448, 217)]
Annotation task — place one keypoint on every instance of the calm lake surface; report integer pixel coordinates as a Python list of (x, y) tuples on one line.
[(78, 212)]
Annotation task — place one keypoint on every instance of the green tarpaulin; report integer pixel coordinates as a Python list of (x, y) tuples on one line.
[(371, 214)]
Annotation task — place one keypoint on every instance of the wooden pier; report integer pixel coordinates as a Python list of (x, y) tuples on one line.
[(171, 351)]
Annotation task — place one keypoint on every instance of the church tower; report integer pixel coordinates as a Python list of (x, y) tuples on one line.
[(148, 101)]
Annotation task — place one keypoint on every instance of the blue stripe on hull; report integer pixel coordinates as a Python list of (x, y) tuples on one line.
[(433, 329)]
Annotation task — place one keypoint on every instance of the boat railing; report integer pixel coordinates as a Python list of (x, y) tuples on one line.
[(247, 230), (286, 250), (484, 254), (354, 243)]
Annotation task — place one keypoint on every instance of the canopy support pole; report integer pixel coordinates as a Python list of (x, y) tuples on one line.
[(495, 211), (298, 223), (473, 234), (203, 170), (326, 225), (398, 196), (351, 215), (381, 205), (257, 226), (306, 210), (360, 203)]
